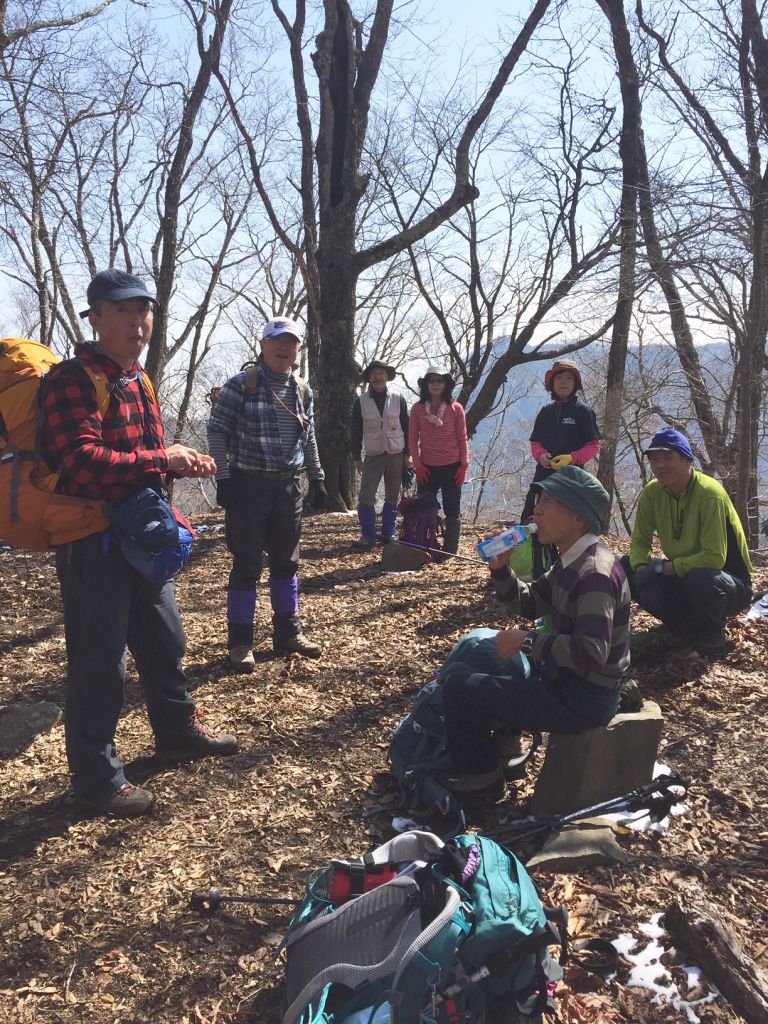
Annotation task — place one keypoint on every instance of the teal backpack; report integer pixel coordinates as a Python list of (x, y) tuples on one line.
[(423, 932)]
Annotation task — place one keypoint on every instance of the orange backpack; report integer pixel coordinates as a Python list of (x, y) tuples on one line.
[(31, 515)]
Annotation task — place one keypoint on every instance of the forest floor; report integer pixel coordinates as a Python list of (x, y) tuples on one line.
[(95, 922)]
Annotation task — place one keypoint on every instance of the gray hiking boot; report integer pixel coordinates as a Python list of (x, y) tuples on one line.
[(241, 658), (128, 801), (364, 544), (298, 644)]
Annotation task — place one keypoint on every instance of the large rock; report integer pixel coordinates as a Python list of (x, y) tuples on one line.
[(20, 723), (598, 764), (580, 845), (401, 558)]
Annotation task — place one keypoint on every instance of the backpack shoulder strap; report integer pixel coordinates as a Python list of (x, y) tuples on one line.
[(148, 386), (303, 389), (99, 381), (101, 387)]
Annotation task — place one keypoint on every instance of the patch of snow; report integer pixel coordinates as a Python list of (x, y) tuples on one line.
[(641, 822), (649, 973), (405, 825)]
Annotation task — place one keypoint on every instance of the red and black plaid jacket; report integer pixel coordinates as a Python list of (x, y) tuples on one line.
[(97, 456)]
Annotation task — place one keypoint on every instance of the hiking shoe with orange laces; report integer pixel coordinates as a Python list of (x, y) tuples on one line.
[(197, 740), (128, 801)]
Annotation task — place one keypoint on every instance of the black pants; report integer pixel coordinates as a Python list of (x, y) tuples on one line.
[(544, 700), (443, 478), (265, 516), (108, 606), (698, 603)]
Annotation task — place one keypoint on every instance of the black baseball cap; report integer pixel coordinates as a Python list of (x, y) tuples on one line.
[(115, 286)]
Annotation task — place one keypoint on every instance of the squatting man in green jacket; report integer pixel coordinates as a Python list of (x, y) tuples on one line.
[(705, 574)]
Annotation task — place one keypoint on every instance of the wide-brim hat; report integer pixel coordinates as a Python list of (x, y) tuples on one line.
[(559, 367), (435, 371), (579, 491), (376, 364)]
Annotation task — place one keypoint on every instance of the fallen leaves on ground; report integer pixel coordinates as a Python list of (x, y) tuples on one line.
[(95, 922)]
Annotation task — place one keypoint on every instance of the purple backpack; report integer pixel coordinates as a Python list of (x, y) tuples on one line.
[(420, 524)]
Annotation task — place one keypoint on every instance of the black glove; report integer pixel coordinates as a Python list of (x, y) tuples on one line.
[(225, 492), (407, 477), (318, 496)]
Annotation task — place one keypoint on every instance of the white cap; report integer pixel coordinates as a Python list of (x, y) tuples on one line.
[(274, 328)]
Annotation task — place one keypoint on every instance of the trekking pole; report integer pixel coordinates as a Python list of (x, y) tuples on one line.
[(207, 902), (437, 551), (656, 798)]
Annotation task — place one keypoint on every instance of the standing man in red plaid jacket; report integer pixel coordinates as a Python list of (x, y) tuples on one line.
[(108, 606)]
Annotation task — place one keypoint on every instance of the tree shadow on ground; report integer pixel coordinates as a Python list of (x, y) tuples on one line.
[(31, 637), (329, 580)]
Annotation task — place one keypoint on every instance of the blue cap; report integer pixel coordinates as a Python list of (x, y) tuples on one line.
[(115, 285), (670, 441)]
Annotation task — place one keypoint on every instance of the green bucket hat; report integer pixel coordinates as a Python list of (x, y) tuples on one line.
[(579, 491)]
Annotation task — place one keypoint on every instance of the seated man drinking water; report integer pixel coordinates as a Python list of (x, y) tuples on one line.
[(576, 671)]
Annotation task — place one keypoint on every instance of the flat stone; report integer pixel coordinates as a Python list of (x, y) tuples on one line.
[(400, 558), (583, 844), (20, 723), (598, 764)]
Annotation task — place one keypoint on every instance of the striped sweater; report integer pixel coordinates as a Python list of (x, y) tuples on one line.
[(439, 446), (588, 600)]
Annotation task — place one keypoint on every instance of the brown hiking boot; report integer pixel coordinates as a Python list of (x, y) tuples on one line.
[(712, 645), (241, 658), (128, 801), (298, 644), (197, 740)]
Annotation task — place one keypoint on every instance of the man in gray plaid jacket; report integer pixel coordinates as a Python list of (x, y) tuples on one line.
[(262, 436)]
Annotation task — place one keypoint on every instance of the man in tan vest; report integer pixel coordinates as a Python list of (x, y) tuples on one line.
[(380, 424)]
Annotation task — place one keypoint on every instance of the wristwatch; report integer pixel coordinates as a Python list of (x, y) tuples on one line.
[(527, 645)]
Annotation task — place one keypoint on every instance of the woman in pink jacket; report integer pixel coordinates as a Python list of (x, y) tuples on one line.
[(439, 448)]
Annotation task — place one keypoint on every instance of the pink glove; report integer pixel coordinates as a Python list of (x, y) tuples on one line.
[(461, 475), (422, 474)]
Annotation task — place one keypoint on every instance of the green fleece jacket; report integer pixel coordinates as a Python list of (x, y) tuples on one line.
[(698, 530)]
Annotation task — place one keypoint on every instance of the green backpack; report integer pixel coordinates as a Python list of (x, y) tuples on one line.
[(423, 932)]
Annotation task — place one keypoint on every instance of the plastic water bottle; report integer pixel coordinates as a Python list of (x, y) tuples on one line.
[(503, 542)]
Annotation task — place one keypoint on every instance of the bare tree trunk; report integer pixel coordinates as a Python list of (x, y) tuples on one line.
[(750, 389), (628, 148), (165, 250), (737, 462), (330, 260)]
